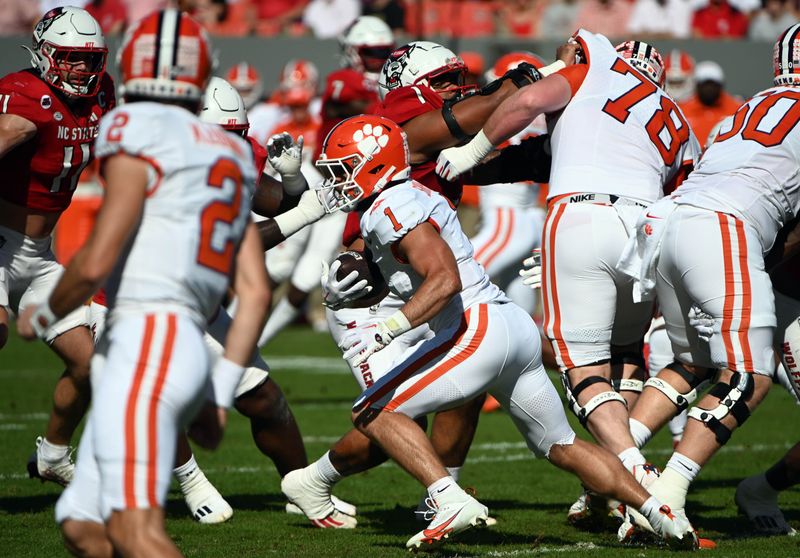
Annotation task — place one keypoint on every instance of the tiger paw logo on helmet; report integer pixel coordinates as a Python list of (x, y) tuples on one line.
[(370, 139)]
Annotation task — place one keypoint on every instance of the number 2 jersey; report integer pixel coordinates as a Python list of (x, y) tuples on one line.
[(752, 170), (42, 173), (195, 213), (396, 212), (620, 134)]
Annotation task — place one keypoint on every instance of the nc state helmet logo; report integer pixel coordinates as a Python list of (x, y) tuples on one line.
[(47, 20), (396, 64), (370, 140)]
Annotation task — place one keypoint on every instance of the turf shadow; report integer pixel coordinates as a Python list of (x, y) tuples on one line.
[(28, 504)]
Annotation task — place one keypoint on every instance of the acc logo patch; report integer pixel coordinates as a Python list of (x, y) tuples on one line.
[(46, 102)]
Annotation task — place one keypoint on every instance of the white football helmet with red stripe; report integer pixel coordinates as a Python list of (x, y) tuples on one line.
[(645, 58), (786, 57), (679, 71), (69, 51), (366, 45), (247, 81), (166, 55), (223, 105), (421, 62)]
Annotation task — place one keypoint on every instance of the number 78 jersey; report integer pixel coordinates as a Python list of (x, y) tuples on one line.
[(620, 133), (195, 213), (752, 170)]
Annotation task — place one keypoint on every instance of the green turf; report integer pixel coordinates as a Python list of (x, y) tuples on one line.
[(529, 498)]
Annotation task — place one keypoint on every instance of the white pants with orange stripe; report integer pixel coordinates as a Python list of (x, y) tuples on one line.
[(149, 377), (507, 236), (494, 348), (379, 363), (588, 303), (714, 260)]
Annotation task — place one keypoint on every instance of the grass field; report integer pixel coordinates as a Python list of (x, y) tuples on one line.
[(528, 497)]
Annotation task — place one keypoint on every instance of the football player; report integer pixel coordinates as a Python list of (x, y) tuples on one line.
[(174, 220), (679, 75), (421, 83), (48, 122), (613, 122), (414, 237), (702, 252)]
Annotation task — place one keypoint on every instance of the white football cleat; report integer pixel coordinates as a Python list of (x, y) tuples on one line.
[(449, 519), (646, 474), (759, 502), (60, 471), (315, 500), (424, 511), (670, 526), (207, 505), (344, 507)]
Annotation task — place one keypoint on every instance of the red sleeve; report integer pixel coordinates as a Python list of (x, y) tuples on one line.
[(404, 103), (575, 75), (17, 97), (259, 155), (352, 229), (346, 86)]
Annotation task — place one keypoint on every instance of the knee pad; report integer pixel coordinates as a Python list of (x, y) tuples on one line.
[(732, 400), (629, 384), (583, 411), (680, 400)]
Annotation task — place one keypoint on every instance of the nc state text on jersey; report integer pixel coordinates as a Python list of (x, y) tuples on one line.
[(77, 133)]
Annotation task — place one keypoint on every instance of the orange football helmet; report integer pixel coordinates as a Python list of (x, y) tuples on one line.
[(298, 83), (166, 55), (247, 81), (679, 72), (510, 61), (360, 156)]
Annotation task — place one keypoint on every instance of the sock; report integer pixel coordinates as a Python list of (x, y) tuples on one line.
[(778, 477), (326, 471), (650, 509), (444, 490), (455, 472), (52, 452), (671, 488), (641, 434), (684, 466), (282, 315), (631, 457), (189, 475)]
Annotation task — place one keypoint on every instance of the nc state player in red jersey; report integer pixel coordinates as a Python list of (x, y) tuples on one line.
[(48, 120)]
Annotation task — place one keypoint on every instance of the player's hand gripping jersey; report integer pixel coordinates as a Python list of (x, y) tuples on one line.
[(620, 134), (200, 251), (397, 211), (42, 174), (751, 170)]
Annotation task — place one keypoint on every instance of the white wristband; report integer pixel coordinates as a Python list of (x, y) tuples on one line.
[(225, 379), (43, 319), (553, 68), (309, 210), (479, 147)]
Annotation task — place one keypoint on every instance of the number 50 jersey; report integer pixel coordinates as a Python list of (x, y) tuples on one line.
[(195, 213), (752, 170), (620, 133)]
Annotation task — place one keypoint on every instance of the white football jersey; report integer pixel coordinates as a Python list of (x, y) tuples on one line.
[(515, 194), (620, 134), (752, 170), (397, 211), (195, 213)]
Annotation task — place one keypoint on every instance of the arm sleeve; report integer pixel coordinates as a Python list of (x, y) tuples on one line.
[(530, 160), (575, 75)]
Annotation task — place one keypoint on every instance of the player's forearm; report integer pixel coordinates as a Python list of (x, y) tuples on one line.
[(436, 291)]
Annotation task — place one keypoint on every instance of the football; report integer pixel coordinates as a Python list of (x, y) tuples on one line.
[(366, 268)]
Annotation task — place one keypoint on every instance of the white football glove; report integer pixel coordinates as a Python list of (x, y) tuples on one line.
[(336, 293), (531, 271), (360, 343), (286, 156), (455, 161), (702, 322)]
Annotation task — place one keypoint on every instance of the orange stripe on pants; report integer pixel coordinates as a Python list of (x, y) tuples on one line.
[(730, 290), (506, 239), (130, 414), (449, 364), (497, 230), (152, 415), (747, 297), (557, 337)]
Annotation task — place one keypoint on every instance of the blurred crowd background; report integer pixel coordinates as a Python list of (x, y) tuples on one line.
[(760, 20)]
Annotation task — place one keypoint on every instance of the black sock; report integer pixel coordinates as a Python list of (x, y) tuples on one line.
[(779, 477)]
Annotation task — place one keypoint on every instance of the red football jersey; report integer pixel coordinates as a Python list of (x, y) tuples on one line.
[(401, 105), (259, 155), (345, 86), (42, 173)]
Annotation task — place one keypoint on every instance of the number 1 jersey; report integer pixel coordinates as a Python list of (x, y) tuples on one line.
[(195, 213)]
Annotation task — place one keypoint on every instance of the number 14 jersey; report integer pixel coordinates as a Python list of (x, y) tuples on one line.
[(195, 213)]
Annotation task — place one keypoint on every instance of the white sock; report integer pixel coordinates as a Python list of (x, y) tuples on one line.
[(189, 475), (444, 490), (52, 452), (684, 466), (326, 471), (671, 488), (455, 472), (631, 457), (640, 433), (282, 315)]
